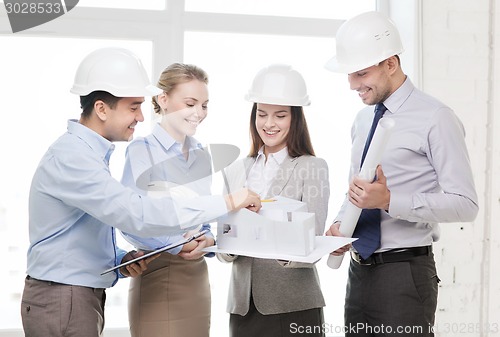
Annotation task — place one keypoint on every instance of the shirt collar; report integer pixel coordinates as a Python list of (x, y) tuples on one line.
[(163, 137), (279, 156), (103, 147), (168, 141), (398, 97)]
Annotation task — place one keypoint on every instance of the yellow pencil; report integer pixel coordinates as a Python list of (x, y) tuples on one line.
[(268, 200)]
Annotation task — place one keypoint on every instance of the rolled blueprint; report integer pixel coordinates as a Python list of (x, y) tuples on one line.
[(372, 160)]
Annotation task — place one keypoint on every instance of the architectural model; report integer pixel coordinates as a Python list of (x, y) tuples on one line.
[(282, 226)]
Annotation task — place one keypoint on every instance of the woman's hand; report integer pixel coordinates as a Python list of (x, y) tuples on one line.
[(196, 253), (137, 268)]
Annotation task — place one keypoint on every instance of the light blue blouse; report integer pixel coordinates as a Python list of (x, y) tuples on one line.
[(158, 157)]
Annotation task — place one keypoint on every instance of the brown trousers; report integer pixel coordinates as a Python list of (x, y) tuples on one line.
[(171, 299), (59, 310)]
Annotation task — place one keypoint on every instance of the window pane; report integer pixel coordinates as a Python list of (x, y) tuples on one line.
[(125, 4), (329, 9), (231, 68), (37, 74)]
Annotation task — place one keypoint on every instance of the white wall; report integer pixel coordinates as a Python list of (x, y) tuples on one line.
[(461, 64)]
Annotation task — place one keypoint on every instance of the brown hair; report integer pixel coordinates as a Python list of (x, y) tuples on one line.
[(298, 141), (175, 74)]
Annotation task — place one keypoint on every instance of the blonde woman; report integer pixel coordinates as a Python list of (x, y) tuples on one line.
[(172, 298)]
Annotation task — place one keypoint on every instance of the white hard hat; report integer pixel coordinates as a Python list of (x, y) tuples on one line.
[(114, 70), (279, 84), (364, 41)]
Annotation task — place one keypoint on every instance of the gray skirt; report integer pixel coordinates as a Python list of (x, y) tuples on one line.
[(304, 323)]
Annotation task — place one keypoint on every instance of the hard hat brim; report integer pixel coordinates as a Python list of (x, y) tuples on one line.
[(278, 101), (149, 90), (334, 66)]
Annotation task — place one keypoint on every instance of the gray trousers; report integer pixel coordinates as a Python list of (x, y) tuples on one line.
[(59, 310), (392, 299)]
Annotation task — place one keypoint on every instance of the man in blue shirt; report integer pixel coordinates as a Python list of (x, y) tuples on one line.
[(75, 204)]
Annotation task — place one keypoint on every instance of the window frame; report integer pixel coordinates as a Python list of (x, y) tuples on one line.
[(165, 28)]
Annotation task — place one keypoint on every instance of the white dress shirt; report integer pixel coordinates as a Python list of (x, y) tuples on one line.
[(427, 168), (263, 171)]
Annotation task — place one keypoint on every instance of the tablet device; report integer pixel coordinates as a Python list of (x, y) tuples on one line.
[(159, 250)]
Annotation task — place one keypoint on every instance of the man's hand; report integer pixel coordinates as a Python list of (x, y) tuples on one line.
[(243, 198), (364, 194), (137, 268), (335, 231)]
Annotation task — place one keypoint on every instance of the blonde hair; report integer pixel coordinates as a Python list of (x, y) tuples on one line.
[(175, 74)]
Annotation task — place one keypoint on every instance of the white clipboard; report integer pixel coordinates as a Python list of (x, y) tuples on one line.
[(158, 251)]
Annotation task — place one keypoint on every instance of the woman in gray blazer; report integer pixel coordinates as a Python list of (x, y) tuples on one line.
[(273, 297)]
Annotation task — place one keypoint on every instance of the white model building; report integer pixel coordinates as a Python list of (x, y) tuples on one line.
[(282, 226)]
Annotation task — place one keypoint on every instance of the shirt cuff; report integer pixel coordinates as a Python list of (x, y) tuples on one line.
[(400, 205), (175, 251), (120, 253), (193, 211)]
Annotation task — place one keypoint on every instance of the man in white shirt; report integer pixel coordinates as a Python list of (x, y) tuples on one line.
[(424, 178)]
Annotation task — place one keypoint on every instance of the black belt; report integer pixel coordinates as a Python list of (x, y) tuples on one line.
[(394, 255)]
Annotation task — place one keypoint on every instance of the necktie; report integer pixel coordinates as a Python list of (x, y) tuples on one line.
[(368, 227)]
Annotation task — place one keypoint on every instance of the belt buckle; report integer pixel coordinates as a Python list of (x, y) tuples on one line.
[(359, 260)]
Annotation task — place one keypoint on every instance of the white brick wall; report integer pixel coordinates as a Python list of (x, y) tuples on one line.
[(457, 69)]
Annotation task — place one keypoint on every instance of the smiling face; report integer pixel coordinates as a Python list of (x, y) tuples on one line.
[(184, 108), (374, 84), (273, 125), (120, 121)]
